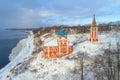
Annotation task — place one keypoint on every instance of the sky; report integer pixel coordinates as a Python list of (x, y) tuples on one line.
[(36, 13)]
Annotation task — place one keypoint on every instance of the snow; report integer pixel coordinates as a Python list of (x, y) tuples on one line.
[(52, 42), (21, 45), (85, 46), (64, 68)]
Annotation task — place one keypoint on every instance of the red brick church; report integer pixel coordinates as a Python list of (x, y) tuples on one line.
[(61, 48)]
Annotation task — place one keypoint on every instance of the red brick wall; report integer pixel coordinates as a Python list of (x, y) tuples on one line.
[(53, 51)]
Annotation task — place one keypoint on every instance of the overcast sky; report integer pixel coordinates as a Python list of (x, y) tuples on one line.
[(35, 13)]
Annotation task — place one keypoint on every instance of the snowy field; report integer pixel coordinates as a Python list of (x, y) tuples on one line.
[(64, 68)]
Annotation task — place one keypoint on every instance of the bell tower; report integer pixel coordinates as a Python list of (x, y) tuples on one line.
[(62, 42), (94, 31)]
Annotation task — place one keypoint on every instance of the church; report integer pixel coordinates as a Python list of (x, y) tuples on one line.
[(62, 46), (59, 49)]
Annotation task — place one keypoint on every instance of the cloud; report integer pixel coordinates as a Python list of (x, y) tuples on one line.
[(29, 13), (45, 13)]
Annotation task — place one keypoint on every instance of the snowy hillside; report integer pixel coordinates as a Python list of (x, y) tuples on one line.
[(28, 67), (17, 49)]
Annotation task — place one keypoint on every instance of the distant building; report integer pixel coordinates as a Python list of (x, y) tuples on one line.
[(59, 48), (94, 31)]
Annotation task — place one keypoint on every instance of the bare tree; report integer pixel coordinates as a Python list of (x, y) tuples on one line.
[(82, 65), (107, 66), (118, 60)]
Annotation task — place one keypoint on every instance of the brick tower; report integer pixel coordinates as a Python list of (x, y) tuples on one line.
[(94, 31), (63, 46)]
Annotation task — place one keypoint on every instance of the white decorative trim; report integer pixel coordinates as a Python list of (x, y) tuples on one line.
[(48, 52)]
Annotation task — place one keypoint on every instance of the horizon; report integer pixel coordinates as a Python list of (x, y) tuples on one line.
[(33, 14)]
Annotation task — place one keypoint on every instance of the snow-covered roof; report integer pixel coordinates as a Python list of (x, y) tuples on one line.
[(54, 42), (51, 43)]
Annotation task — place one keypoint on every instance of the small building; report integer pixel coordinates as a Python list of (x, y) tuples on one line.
[(94, 31), (60, 47)]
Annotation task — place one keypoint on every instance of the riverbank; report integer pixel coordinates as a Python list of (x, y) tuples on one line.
[(21, 45), (23, 53), (8, 40)]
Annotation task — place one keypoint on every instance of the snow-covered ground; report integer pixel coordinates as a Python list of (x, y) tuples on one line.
[(64, 68), (15, 51)]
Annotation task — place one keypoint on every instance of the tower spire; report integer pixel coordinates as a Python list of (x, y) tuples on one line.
[(94, 21)]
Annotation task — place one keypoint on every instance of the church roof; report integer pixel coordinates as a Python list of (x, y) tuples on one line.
[(94, 22), (53, 42), (62, 32)]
